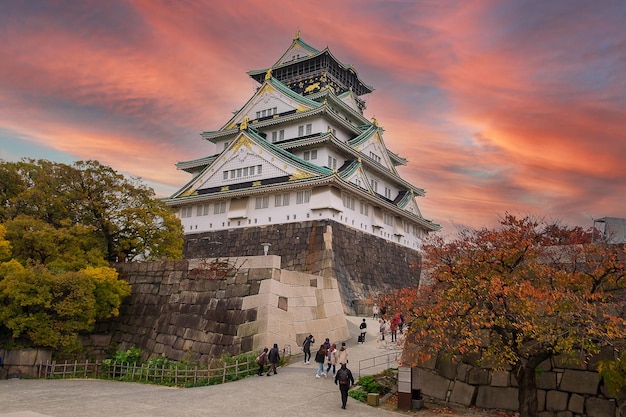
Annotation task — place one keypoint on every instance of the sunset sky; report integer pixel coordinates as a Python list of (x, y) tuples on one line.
[(498, 106)]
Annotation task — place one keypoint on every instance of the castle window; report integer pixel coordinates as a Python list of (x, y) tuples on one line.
[(303, 196), (262, 202), (186, 212), (388, 219), (281, 200), (274, 136), (219, 208), (388, 193), (242, 172), (300, 130), (309, 128), (375, 157), (281, 134), (309, 155), (375, 186), (364, 209), (348, 201), (203, 210), (332, 163)]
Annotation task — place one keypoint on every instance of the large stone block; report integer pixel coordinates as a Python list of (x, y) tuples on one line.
[(447, 367), (546, 380), (478, 376), (580, 382), (499, 378), (462, 371), (497, 397), (431, 385), (556, 400), (576, 404), (597, 407), (463, 394)]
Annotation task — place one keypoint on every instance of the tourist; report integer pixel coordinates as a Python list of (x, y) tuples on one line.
[(320, 358), (363, 328), (261, 360), (306, 348), (343, 354), (327, 344), (375, 311), (382, 328), (274, 357), (393, 329), (345, 380), (333, 357)]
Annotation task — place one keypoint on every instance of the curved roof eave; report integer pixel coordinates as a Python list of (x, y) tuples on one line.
[(195, 163), (348, 149)]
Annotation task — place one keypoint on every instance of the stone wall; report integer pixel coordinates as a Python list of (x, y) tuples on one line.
[(564, 390), (363, 264), (20, 363), (182, 310)]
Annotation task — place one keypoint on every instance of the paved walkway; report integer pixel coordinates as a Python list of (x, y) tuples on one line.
[(293, 392)]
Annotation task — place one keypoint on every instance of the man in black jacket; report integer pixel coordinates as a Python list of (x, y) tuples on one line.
[(273, 357), (306, 348), (345, 380)]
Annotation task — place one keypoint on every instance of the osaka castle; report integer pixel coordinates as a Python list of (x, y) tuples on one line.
[(299, 153)]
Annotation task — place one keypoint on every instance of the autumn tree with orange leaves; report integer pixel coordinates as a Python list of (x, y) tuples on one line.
[(517, 294)]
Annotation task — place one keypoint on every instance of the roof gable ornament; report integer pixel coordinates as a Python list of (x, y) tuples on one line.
[(297, 36), (374, 121), (268, 74), (244, 123)]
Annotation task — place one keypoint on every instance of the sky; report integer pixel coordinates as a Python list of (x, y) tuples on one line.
[(498, 106)]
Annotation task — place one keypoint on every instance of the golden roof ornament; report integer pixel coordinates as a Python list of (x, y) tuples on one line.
[(297, 35), (268, 74), (244, 123), (374, 121)]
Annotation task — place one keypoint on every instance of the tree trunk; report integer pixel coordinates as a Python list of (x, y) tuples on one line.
[(526, 375), (527, 394)]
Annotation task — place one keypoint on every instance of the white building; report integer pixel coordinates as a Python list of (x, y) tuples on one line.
[(301, 149)]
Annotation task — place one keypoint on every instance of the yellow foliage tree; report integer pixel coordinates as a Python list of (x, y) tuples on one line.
[(45, 309)]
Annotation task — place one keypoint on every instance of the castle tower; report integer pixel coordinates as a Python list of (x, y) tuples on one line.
[(301, 168)]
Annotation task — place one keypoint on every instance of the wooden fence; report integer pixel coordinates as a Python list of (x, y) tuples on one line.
[(164, 374)]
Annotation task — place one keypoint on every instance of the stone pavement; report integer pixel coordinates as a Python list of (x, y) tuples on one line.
[(294, 391)]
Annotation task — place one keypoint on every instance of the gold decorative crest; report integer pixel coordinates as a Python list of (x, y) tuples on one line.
[(299, 174)]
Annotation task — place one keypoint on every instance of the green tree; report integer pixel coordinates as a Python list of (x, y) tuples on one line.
[(5, 246), (45, 309), (509, 294), (68, 248), (129, 222)]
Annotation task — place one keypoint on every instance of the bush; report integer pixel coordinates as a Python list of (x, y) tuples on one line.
[(613, 374), (368, 384), (358, 394)]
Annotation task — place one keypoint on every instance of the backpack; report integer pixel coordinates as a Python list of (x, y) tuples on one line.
[(342, 376)]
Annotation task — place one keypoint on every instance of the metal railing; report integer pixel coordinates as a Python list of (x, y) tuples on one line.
[(391, 359)]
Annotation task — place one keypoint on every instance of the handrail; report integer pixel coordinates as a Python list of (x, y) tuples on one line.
[(395, 354)]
